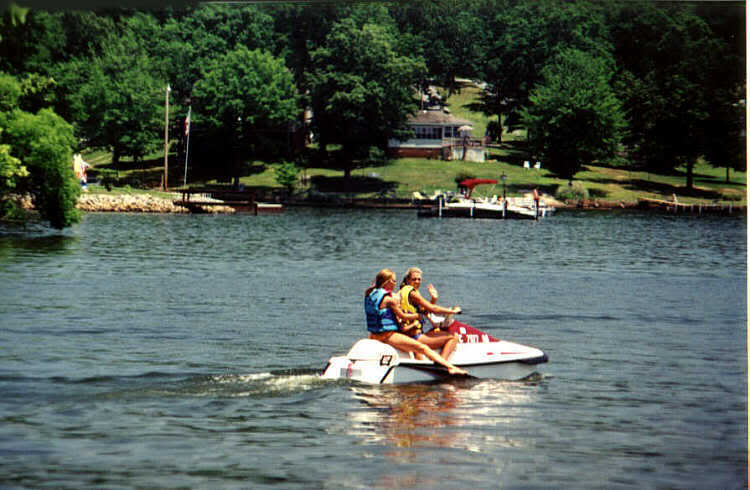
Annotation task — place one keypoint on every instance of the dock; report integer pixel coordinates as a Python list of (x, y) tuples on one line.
[(698, 209), (214, 199)]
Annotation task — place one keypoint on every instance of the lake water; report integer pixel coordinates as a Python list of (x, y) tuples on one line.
[(171, 351)]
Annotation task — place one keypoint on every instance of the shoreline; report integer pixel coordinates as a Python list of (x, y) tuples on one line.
[(135, 203)]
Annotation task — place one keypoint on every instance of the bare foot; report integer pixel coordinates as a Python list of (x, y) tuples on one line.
[(456, 370)]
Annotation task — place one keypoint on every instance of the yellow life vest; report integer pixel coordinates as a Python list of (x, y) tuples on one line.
[(404, 292), (408, 308)]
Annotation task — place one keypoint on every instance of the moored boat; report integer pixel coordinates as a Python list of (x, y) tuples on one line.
[(463, 205)]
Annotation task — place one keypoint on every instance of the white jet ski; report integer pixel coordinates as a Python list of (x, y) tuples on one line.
[(482, 355)]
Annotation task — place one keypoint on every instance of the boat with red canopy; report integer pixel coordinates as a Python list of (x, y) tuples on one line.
[(463, 205)]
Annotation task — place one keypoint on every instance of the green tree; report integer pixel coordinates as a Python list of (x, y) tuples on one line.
[(302, 30), (286, 175), (525, 36), (10, 94), (11, 171), (245, 102), (11, 168), (362, 90), (115, 98), (726, 134), (573, 115), (186, 42), (36, 158), (33, 44), (451, 36), (681, 83)]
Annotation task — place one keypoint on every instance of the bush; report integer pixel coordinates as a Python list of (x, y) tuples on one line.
[(107, 177), (286, 175), (576, 191)]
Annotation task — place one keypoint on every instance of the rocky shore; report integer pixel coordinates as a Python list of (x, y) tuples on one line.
[(130, 203), (125, 203)]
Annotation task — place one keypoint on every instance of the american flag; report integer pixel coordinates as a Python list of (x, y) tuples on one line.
[(187, 121)]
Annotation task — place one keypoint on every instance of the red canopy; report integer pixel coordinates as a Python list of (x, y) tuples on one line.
[(470, 183)]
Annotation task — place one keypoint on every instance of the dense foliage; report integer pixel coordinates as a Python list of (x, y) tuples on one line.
[(573, 115), (659, 84), (361, 89), (246, 100), (36, 152)]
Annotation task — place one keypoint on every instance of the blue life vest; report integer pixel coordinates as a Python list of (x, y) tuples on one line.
[(379, 319)]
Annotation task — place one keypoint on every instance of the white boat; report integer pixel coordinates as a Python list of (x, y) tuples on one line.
[(483, 356), (463, 205)]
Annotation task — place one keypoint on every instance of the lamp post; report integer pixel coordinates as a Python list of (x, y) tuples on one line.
[(505, 201)]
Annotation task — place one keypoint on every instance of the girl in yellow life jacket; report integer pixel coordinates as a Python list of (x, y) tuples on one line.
[(413, 302)]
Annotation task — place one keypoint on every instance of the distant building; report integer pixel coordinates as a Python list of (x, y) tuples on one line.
[(438, 134)]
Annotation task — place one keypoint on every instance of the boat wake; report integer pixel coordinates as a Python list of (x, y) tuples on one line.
[(189, 385), (272, 383)]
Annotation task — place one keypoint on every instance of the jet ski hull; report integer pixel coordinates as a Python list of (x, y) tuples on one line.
[(370, 361)]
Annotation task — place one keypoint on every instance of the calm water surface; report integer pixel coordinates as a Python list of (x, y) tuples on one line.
[(166, 351)]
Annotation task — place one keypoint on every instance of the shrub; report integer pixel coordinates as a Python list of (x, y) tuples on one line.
[(287, 174), (107, 177), (574, 191)]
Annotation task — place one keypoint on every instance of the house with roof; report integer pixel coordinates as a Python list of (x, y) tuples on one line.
[(436, 133)]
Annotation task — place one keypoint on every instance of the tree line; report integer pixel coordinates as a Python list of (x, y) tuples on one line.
[(653, 85)]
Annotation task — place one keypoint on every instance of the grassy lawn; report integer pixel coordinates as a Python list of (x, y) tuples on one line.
[(402, 177)]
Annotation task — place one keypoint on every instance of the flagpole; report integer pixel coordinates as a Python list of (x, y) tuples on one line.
[(187, 144), (166, 134)]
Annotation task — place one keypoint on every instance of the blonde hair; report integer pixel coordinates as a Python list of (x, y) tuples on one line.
[(383, 276), (408, 274)]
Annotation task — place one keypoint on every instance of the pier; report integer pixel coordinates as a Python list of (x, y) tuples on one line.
[(213, 199), (698, 209)]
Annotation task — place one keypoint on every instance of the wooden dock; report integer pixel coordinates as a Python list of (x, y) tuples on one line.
[(698, 209), (207, 199)]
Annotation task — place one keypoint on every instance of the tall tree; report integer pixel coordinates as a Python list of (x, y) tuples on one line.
[(573, 115), (726, 133), (302, 29), (245, 102), (450, 35), (35, 44), (362, 90), (115, 97), (188, 41), (526, 35), (681, 87)]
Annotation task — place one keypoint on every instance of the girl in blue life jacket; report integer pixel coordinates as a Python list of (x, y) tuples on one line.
[(381, 311)]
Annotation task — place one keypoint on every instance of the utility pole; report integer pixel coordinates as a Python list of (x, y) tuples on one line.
[(166, 135)]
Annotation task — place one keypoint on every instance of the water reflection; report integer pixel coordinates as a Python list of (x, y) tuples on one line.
[(442, 415), (19, 245)]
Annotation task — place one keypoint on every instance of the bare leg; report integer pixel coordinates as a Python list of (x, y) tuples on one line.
[(408, 344), (417, 355), (446, 340)]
